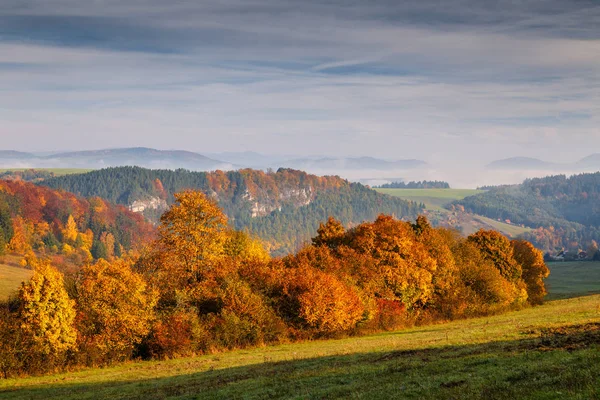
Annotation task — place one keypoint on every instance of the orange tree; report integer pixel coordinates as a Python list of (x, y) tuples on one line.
[(534, 269)]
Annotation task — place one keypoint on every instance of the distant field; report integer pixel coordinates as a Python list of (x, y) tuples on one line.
[(56, 171), (10, 279), (569, 279), (546, 352), (437, 199), (434, 199), (513, 230)]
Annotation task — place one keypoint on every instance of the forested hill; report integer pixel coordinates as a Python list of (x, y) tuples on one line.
[(565, 210), (35, 219), (284, 208)]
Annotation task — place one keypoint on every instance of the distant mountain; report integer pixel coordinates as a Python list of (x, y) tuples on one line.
[(284, 208), (590, 162), (249, 159), (95, 159), (360, 163), (522, 163), (10, 154)]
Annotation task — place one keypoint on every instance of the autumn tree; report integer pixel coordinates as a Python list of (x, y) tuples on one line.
[(242, 246), (497, 248), (115, 310), (70, 232), (534, 269), (330, 234), (192, 233), (46, 312)]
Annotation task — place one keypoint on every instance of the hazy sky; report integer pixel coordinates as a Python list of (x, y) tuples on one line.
[(436, 80)]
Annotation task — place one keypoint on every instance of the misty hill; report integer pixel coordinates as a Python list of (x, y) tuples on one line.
[(520, 163), (589, 163), (96, 159), (565, 211), (358, 163), (284, 208), (14, 155)]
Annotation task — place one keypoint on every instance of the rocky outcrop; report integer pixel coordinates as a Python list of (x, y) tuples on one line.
[(153, 203)]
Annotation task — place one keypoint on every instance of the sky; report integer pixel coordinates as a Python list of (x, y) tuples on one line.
[(451, 81)]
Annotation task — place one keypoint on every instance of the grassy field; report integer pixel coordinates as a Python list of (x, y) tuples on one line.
[(569, 279), (56, 171), (434, 199), (547, 352), (11, 277), (512, 230)]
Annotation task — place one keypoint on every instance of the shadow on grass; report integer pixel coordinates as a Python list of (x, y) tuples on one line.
[(554, 363)]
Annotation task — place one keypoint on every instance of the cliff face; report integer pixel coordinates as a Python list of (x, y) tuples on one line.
[(153, 203)]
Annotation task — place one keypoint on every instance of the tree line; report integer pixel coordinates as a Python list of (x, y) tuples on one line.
[(282, 207), (202, 287), (69, 229), (562, 210), (415, 185)]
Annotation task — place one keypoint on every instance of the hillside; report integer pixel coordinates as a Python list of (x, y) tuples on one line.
[(283, 208), (96, 159), (56, 223), (544, 352), (564, 212)]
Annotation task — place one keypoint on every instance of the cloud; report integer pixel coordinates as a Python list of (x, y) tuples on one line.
[(453, 79)]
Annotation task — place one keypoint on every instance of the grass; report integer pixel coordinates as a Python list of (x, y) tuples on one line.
[(56, 171), (512, 230), (568, 279), (434, 199), (437, 199), (11, 276), (546, 352)]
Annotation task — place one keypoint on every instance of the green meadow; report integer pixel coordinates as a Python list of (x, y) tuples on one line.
[(546, 352), (434, 199)]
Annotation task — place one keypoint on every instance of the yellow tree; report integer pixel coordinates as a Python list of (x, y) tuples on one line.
[(115, 309), (70, 230), (243, 247), (192, 235), (46, 313)]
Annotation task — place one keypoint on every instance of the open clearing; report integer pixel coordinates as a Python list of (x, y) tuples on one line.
[(434, 199), (11, 277), (548, 352)]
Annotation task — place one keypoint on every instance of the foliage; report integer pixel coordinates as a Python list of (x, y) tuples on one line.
[(46, 313), (36, 218), (282, 208), (202, 287), (534, 269), (115, 309), (563, 211)]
